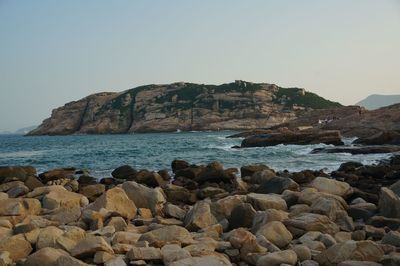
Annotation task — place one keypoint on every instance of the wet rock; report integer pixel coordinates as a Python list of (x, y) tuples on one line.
[(144, 197), (55, 174), (277, 233), (242, 216), (292, 137), (125, 172), (249, 170), (115, 200), (177, 165), (92, 192), (277, 185), (199, 216)]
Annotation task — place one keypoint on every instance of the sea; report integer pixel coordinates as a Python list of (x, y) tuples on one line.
[(101, 154)]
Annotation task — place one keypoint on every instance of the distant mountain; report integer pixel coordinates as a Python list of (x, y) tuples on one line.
[(5, 132), (182, 106), (25, 130), (376, 101)]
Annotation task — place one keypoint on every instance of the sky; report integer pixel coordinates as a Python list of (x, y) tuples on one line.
[(53, 52)]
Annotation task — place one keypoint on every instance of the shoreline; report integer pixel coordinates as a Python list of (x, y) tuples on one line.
[(206, 213)]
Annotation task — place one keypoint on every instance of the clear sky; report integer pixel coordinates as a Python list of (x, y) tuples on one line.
[(53, 52)]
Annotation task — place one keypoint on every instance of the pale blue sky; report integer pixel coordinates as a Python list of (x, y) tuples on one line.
[(53, 52)]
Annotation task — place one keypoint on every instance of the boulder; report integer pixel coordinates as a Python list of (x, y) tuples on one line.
[(144, 197), (381, 138), (328, 206), (392, 238), (266, 201), (46, 256), (115, 200), (173, 252), (62, 173), (291, 137), (350, 250), (144, 253), (249, 170), (177, 194), (311, 222), (389, 203), (288, 257), (48, 237), (18, 172), (199, 216), (263, 217), (331, 186), (177, 165), (222, 208), (167, 234), (242, 216), (150, 179), (89, 246), (17, 246), (171, 210), (124, 172), (60, 197), (16, 210), (92, 192), (277, 185), (5, 259), (277, 233), (202, 261)]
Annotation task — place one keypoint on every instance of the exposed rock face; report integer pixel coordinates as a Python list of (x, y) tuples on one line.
[(184, 106)]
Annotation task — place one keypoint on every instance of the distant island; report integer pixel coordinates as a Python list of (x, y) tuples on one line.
[(376, 101), (239, 105)]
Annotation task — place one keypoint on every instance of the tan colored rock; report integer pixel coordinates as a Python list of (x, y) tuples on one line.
[(5, 259), (173, 252), (144, 197), (167, 235), (312, 222), (202, 261), (266, 201), (17, 246), (389, 203), (223, 208), (89, 246), (92, 192), (16, 210), (149, 253), (350, 250), (115, 200), (270, 215), (102, 257), (303, 252), (331, 186), (45, 256), (125, 238), (63, 198), (48, 237), (277, 258), (277, 233), (199, 216)]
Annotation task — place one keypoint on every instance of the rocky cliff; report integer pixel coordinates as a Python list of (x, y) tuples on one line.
[(183, 106)]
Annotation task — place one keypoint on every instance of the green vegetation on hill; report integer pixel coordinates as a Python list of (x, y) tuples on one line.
[(295, 96)]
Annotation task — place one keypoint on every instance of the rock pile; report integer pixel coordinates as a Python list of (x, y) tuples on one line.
[(205, 215)]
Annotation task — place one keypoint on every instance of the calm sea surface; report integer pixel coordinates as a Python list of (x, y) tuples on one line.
[(102, 153)]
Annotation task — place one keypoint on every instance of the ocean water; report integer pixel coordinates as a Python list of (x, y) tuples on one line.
[(100, 154)]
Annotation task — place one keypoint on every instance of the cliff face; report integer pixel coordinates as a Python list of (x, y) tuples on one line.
[(183, 106)]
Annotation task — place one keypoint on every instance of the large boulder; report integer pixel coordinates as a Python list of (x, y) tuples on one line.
[(266, 201), (311, 222), (277, 233), (381, 138), (48, 237), (202, 261), (115, 200), (242, 216), (59, 197), (62, 173), (292, 137), (17, 246), (144, 197), (331, 186), (389, 203), (89, 246), (124, 172), (277, 185), (223, 208), (150, 179), (177, 165), (287, 257), (249, 170), (199, 216), (50, 257), (350, 250), (16, 172), (16, 210), (167, 234)]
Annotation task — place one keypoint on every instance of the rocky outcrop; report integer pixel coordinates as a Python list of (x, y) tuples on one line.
[(183, 106)]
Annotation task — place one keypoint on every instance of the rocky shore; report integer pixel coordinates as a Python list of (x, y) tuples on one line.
[(202, 215)]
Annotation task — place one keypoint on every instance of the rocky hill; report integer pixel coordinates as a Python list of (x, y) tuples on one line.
[(376, 101), (183, 106)]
